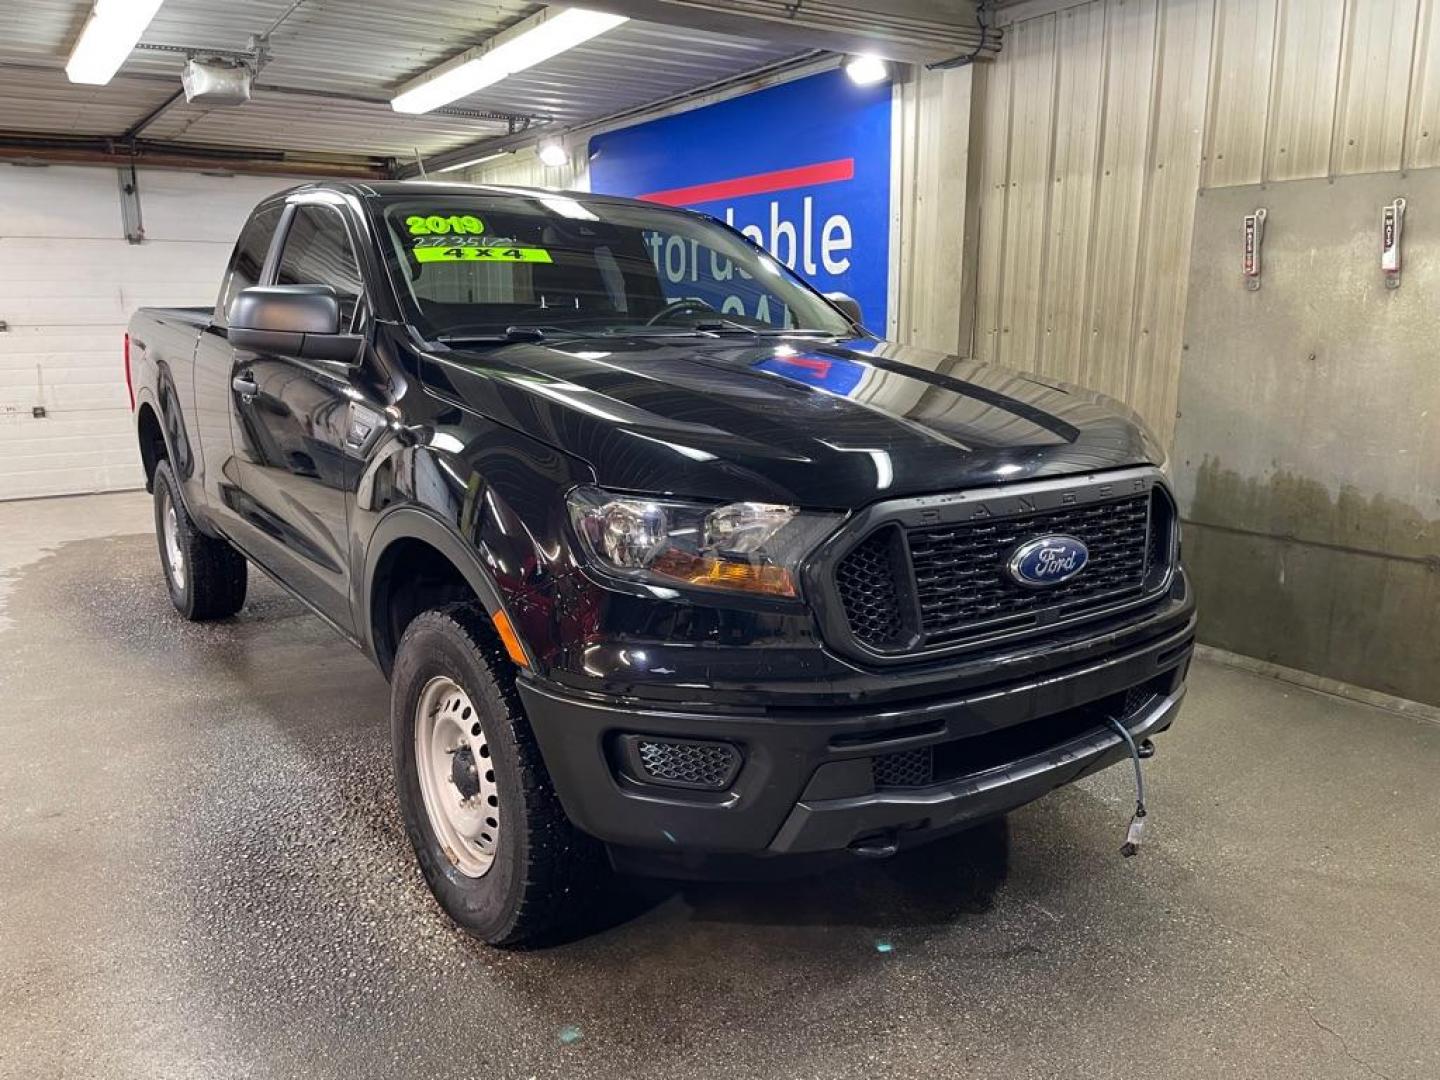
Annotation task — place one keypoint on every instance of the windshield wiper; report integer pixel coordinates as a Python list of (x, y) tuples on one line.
[(725, 326), (641, 330), (706, 329), (709, 328), (730, 326), (511, 335)]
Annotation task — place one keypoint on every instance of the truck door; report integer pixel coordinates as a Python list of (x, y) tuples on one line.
[(292, 421), (210, 406)]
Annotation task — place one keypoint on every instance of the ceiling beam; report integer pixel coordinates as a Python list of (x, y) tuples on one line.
[(41, 149), (909, 31)]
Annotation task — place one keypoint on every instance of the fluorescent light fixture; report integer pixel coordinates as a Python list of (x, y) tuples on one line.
[(472, 162), (554, 154), (866, 70), (111, 31), (533, 41)]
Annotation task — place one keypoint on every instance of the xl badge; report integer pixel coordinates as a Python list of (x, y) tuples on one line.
[(1048, 560)]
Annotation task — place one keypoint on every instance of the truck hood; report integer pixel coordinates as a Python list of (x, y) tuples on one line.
[(813, 423)]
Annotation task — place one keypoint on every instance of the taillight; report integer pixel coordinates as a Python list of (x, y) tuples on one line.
[(129, 383)]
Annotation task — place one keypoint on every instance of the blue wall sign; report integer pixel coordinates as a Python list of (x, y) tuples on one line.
[(803, 169)]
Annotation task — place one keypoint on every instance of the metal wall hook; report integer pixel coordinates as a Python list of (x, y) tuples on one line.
[(1254, 239), (1392, 225)]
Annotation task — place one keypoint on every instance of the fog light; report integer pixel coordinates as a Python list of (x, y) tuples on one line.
[(704, 766)]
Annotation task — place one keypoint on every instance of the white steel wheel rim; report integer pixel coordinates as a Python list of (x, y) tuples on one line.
[(174, 554), (457, 776)]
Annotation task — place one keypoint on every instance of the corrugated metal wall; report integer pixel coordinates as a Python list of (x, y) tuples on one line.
[(1101, 120), (935, 208)]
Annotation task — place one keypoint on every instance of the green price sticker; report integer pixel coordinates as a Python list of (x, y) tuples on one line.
[(482, 254), (444, 225)]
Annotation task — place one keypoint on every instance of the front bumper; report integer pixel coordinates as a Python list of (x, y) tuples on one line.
[(807, 781), (831, 824), (807, 784)]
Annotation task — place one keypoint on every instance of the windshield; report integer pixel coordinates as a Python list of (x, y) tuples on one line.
[(482, 265)]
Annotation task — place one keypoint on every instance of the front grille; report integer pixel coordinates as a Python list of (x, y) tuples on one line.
[(687, 764), (917, 589), (960, 569), (870, 581)]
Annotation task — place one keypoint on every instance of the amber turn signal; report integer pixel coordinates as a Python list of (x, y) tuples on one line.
[(511, 640)]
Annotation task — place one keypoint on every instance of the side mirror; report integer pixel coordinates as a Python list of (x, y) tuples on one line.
[(848, 305), (292, 320)]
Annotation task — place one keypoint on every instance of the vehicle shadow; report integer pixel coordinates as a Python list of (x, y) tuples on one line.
[(931, 885), (934, 884)]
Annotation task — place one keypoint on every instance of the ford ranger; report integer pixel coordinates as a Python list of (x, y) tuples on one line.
[(679, 572)]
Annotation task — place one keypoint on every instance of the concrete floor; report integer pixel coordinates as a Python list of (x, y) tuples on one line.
[(202, 874)]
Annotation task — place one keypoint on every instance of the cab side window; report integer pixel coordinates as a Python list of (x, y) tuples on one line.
[(317, 252), (248, 259)]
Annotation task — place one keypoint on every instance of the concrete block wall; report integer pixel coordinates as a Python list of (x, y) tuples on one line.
[(1307, 453)]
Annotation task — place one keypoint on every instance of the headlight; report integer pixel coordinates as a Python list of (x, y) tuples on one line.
[(747, 546)]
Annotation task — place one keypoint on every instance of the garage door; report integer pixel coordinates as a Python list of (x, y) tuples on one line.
[(69, 281)]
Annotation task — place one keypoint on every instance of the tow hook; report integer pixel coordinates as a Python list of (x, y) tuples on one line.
[(880, 846)]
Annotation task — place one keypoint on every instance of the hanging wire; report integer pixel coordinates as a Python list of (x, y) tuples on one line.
[(970, 57)]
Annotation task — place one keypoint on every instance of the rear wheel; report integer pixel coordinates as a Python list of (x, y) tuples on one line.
[(491, 837), (204, 575)]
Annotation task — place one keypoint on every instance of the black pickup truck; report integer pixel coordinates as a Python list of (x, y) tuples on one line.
[(672, 566)]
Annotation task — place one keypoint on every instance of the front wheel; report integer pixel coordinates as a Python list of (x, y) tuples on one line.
[(492, 840), (204, 575)]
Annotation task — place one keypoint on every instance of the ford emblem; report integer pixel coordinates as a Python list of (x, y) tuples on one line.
[(1047, 560)]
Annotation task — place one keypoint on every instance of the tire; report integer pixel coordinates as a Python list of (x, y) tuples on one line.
[(494, 844), (205, 576)]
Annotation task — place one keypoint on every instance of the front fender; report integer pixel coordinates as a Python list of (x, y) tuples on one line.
[(491, 501), (415, 523)]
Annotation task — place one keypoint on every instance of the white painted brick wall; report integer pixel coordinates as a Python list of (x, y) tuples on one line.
[(69, 282)]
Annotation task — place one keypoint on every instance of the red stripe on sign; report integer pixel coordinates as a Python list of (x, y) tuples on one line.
[(813, 364), (826, 172)]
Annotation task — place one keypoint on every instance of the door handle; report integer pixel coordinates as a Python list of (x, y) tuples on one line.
[(245, 386)]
